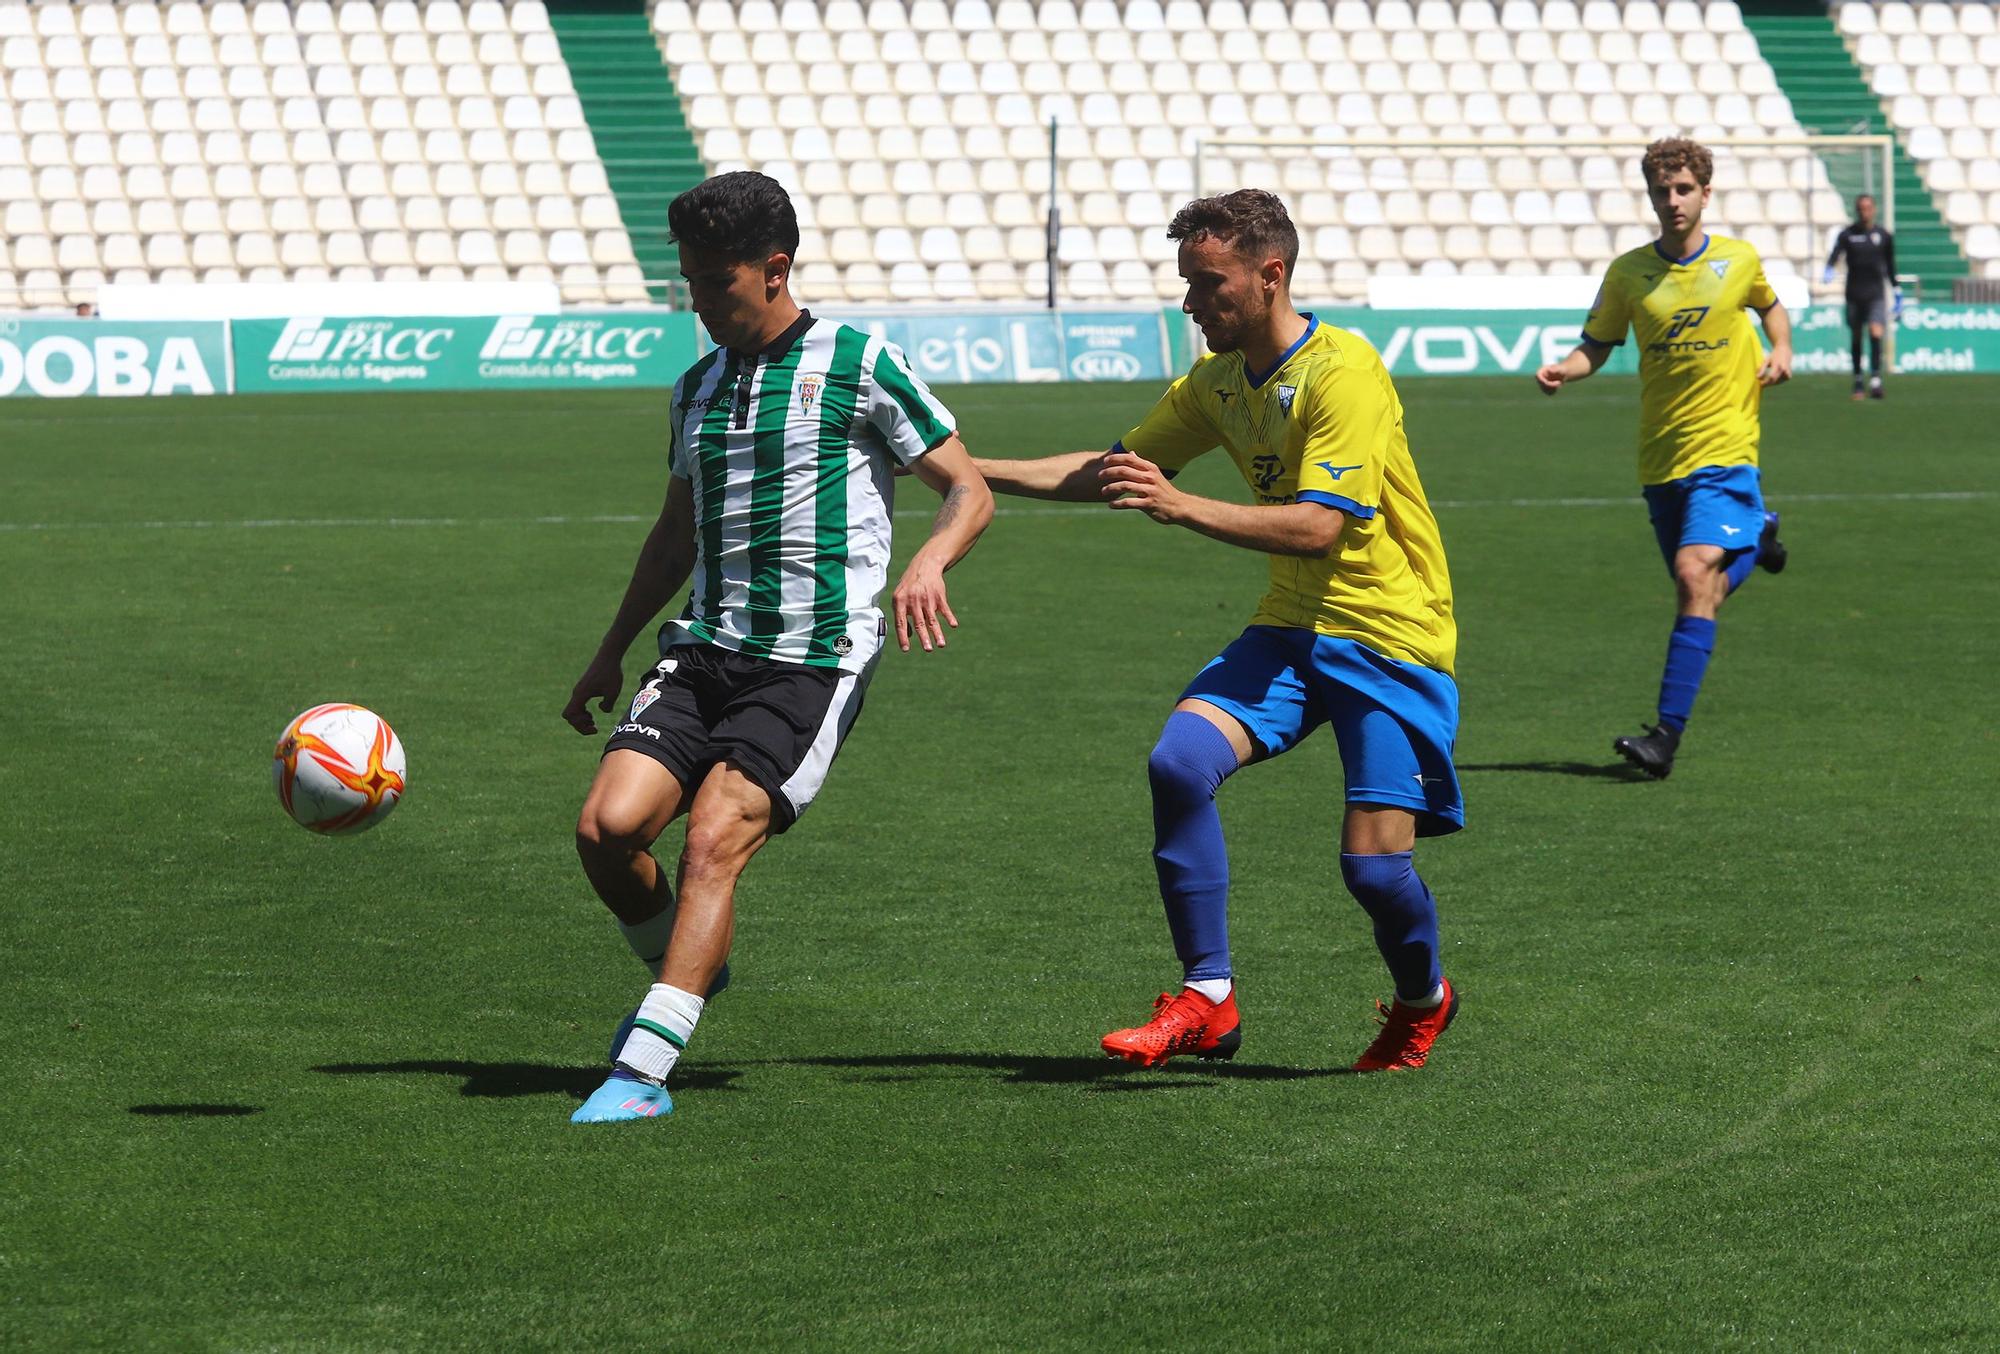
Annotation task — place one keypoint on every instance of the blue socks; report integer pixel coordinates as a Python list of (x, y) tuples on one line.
[(1189, 762), (1405, 916), (1688, 649), (1690, 645), (1740, 564), (1188, 765)]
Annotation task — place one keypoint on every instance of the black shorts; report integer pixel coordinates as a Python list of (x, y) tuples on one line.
[(780, 723), (1863, 311)]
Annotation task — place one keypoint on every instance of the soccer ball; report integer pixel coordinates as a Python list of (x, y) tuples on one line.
[(338, 769)]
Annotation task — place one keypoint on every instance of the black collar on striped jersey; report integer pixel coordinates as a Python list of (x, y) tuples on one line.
[(782, 344)]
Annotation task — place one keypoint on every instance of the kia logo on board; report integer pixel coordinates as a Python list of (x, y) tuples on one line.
[(1105, 365)]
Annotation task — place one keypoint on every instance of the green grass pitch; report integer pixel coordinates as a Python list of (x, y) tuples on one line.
[(1724, 1077)]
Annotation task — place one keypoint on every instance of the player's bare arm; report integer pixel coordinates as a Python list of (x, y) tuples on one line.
[(1777, 368), (1133, 483), (1583, 361), (1071, 477), (665, 561), (920, 600)]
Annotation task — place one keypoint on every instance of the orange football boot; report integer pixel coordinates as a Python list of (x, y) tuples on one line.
[(1407, 1033), (1183, 1023)]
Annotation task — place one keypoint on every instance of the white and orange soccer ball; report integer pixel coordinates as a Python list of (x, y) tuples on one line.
[(339, 769)]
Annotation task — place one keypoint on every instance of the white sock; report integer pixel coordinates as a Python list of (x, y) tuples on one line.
[(660, 1032), (649, 938), (1430, 1003), (1215, 989)]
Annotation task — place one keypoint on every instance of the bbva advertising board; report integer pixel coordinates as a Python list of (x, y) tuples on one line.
[(62, 357), (1939, 338)]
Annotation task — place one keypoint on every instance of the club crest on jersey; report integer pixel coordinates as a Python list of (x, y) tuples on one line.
[(1286, 394), (645, 696), (843, 645), (808, 392), (1720, 267)]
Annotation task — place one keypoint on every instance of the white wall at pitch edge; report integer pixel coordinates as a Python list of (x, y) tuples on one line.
[(275, 300)]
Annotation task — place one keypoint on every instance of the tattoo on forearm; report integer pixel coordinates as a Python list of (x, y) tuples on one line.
[(947, 512)]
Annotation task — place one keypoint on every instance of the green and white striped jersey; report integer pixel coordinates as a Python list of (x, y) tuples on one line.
[(789, 456)]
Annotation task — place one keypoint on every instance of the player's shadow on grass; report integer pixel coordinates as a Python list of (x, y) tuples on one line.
[(1620, 771), (511, 1079), (1030, 1069), (1021, 1069), (195, 1111)]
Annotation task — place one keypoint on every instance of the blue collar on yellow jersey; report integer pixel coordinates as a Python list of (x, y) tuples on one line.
[(1312, 323), (1682, 262)]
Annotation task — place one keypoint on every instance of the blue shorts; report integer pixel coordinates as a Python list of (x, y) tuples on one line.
[(1716, 505), (1395, 722)]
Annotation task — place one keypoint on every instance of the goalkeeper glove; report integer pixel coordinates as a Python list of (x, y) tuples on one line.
[(1898, 311), (1827, 276)]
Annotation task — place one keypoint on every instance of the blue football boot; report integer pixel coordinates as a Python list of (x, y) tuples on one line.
[(623, 1096)]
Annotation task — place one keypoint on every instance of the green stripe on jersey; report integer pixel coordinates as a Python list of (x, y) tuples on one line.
[(891, 377), (836, 416), (684, 390), (767, 506), (691, 378), (712, 454)]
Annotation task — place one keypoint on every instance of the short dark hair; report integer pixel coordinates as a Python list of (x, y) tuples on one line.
[(1671, 154), (742, 215), (1249, 220), (1860, 198)]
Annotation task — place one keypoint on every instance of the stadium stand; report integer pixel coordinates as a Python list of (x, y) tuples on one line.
[(918, 133), (635, 113), (1830, 93), (1935, 68), (334, 139), (318, 141)]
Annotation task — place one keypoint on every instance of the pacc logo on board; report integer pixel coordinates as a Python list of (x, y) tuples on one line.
[(302, 340), (522, 337)]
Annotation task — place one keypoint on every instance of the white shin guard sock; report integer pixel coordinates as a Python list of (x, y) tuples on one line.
[(649, 938), (660, 1032)]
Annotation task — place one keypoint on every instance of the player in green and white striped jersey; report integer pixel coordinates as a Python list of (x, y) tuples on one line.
[(783, 447), (794, 508)]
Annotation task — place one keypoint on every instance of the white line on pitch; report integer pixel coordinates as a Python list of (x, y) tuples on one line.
[(1050, 510)]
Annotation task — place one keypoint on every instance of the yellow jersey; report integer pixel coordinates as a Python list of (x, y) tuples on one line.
[(1698, 351), (1323, 426)]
